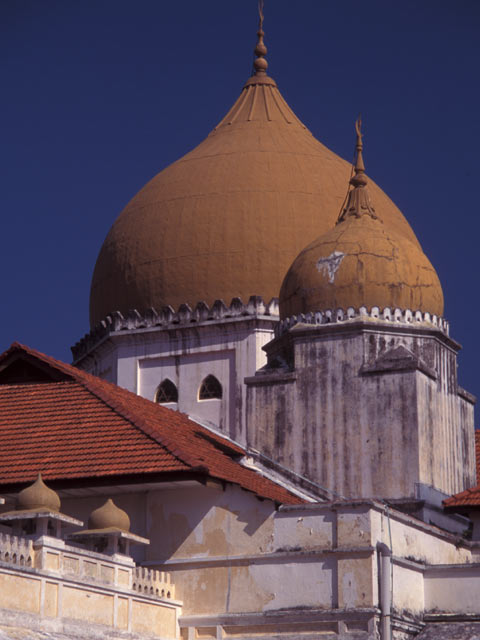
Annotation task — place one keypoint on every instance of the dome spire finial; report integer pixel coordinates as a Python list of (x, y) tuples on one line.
[(358, 199), (359, 165), (260, 64)]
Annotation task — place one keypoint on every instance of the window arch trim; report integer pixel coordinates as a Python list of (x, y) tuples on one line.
[(210, 389), (166, 392)]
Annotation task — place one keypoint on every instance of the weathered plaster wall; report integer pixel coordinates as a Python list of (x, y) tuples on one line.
[(331, 418), (416, 541), (408, 590), (53, 598), (240, 564), (360, 409), (229, 553), (207, 522), (55, 581), (452, 589), (445, 419)]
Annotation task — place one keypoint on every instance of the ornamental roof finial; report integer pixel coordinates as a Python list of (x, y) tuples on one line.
[(359, 165), (358, 199), (260, 64)]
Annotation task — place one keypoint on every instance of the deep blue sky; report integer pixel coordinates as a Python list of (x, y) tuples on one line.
[(99, 95)]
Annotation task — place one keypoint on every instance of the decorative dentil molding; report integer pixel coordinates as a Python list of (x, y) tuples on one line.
[(168, 318), (395, 316)]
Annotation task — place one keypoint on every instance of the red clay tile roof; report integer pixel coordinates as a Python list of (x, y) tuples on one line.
[(73, 425), (470, 497), (460, 501)]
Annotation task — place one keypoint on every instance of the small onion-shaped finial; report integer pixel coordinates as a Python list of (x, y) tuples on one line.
[(38, 496), (109, 516), (260, 65)]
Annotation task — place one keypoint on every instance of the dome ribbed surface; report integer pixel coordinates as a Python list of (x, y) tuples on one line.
[(360, 262), (228, 218)]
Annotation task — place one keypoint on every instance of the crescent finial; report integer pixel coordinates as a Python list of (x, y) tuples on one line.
[(260, 14)]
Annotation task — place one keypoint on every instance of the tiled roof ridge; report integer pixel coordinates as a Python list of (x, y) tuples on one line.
[(93, 385)]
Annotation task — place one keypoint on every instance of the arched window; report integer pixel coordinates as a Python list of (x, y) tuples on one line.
[(210, 388), (166, 392)]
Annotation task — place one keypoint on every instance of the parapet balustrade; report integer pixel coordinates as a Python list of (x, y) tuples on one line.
[(96, 556), (16, 551), (152, 582), (68, 561)]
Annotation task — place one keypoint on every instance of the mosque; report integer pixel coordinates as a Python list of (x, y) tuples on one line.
[(262, 435)]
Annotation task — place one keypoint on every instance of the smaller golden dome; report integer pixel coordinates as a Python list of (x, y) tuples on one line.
[(360, 262), (38, 496), (109, 516)]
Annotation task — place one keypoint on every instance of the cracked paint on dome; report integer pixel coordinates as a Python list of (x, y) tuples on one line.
[(330, 265), (378, 269)]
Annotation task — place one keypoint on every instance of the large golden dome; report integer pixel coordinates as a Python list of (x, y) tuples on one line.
[(228, 218), (361, 262)]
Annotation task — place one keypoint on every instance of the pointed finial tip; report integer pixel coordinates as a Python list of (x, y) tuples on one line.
[(358, 200), (358, 130), (359, 165), (260, 14), (260, 64)]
